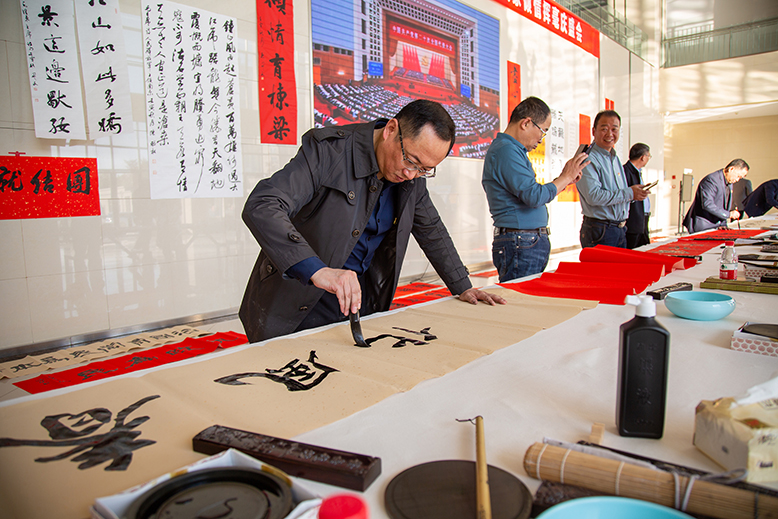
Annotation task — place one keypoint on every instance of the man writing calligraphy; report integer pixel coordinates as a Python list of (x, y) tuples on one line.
[(334, 223)]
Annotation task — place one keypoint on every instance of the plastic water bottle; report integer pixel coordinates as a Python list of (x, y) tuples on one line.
[(728, 262)]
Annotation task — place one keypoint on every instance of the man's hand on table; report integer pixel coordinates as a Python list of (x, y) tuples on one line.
[(473, 295)]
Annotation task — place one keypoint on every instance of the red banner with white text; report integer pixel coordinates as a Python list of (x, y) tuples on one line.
[(277, 86), (558, 20)]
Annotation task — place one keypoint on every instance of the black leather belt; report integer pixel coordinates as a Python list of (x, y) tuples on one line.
[(609, 223), (506, 230)]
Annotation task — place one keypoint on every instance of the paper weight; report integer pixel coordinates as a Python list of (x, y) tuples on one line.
[(446, 490), (237, 493)]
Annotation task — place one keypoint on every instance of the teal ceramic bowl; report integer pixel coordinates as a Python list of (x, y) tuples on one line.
[(700, 306), (607, 507)]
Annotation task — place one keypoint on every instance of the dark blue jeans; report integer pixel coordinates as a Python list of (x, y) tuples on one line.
[(600, 233), (520, 254)]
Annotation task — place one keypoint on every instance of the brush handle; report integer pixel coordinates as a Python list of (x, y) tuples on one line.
[(483, 500)]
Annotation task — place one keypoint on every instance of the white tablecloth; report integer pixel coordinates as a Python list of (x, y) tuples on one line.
[(557, 384)]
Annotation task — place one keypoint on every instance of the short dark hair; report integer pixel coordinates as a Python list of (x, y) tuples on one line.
[(739, 164), (605, 113), (638, 150), (536, 109), (417, 114)]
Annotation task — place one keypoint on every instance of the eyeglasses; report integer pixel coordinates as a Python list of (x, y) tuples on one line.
[(544, 132), (423, 172)]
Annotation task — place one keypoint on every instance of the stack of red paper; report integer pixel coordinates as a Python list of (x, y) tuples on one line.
[(604, 274)]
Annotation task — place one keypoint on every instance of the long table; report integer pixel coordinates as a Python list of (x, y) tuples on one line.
[(557, 384)]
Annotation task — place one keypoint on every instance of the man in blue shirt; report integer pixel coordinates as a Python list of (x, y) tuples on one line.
[(516, 200), (605, 195)]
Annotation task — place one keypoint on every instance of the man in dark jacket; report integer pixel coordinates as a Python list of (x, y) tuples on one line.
[(712, 206), (762, 199), (637, 221), (334, 223)]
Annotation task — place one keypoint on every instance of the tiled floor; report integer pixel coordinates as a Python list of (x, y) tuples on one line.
[(9, 391)]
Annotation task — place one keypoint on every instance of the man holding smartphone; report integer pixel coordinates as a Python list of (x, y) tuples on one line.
[(637, 222), (516, 200), (605, 194)]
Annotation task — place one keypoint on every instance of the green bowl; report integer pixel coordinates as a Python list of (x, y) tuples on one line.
[(700, 306)]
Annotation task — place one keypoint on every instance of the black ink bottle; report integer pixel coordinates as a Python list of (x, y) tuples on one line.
[(644, 351)]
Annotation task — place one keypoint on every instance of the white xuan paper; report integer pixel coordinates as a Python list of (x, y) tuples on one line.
[(104, 65), (192, 103), (52, 63)]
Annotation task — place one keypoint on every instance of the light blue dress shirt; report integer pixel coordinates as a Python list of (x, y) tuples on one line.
[(603, 187)]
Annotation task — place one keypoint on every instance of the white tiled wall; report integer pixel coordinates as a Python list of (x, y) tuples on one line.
[(146, 260)]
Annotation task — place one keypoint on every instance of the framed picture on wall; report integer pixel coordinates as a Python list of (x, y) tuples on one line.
[(391, 54)]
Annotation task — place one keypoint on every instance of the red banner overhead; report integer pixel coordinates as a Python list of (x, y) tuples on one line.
[(48, 187), (558, 20)]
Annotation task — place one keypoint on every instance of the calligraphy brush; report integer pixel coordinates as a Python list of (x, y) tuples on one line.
[(482, 496)]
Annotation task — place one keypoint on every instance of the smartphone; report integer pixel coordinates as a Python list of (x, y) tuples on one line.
[(583, 148), (652, 184)]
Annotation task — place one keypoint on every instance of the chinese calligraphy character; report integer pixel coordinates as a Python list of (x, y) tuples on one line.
[(277, 62), (59, 126), (138, 360), (277, 33), (22, 367), (51, 360), (99, 23), (79, 181), (647, 366), (47, 16), (110, 124), (100, 49), (10, 179), (644, 396), (55, 72), (296, 375), (402, 341), (277, 98), (106, 75), (92, 2), (56, 98), (48, 186), (280, 5), (280, 128), (67, 430), (89, 373), (53, 47)]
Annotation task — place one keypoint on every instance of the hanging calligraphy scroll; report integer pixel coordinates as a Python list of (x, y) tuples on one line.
[(277, 86), (558, 20), (48, 187), (514, 86), (192, 102), (52, 63), (104, 65)]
